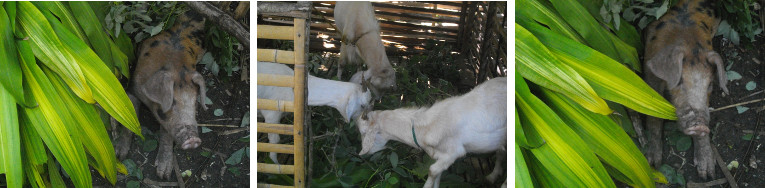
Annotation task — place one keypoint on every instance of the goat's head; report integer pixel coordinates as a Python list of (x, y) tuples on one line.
[(358, 102), (371, 138)]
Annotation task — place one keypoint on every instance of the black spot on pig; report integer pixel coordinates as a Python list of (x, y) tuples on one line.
[(660, 25), (146, 54), (161, 115), (154, 44)]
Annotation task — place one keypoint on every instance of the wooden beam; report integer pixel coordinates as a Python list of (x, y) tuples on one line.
[(275, 168)]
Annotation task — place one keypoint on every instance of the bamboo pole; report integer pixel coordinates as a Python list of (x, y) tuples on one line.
[(278, 148), (275, 168), (276, 105), (263, 185), (275, 128), (299, 91), (279, 56), (275, 80), (275, 32)]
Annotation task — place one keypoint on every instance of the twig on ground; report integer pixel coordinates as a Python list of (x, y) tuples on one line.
[(228, 132), (215, 125), (223, 156), (737, 104), (707, 184), (160, 184), (724, 168), (753, 94), (226, 119), (752, 132), (178, 173)]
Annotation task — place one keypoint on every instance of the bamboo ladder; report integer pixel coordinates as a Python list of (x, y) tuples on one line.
[(297, 33)]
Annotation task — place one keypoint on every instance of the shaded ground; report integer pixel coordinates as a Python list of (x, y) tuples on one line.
[(214, 163), (732, 128)]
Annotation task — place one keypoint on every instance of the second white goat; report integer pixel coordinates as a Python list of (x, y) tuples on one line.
[(348, 98), (475, 122)]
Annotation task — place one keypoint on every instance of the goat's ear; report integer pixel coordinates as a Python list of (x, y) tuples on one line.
[(668, 64), (200, 81), (715, 58), (159, 89)]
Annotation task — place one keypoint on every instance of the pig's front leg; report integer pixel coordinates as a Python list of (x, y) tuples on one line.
[(702, 156), (654, 151), (164, 160), (122, 143)]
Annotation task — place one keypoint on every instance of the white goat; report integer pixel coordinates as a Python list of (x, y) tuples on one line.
[(475, 122), (348, 98), (362, 42)]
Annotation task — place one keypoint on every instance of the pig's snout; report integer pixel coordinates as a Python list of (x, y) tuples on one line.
[(191, 143), (187, 136), (696, 128)]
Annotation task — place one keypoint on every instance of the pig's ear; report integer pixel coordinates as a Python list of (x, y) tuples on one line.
[(159, 89), (668, 65), (713, 57), (200, 81)]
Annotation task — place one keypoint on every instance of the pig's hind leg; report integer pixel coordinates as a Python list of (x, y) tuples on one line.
[(702, 156), (164, 160)]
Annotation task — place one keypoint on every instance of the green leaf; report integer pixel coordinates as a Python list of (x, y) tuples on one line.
[(684, 143), (751, 85), (206, 130), (522, 175), (747, 136), (245, 119), (107, 89), (741, 109), (604, 137), (149, 145), (99, 41), (133, 184), (393, 180), (537, 64), (608, 78), (10, 139), (90, 129), (564, 155), (49, 121), (234, 170), (218, 112), (208, 101), (50, 50), (235, 157), (732, 75), (393, 159), (10, 71)]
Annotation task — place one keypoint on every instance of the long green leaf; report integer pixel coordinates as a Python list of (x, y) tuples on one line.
[(54, 175), (564, 154), (49, 120), (91, 130), (10, 8), (534, 11), (522, 174), (605, 138), (50, 50), (537, 64), (65, 17), (596, 36), (608, 78), (10, 140), (10, 71), (107, 89), (99, 42)]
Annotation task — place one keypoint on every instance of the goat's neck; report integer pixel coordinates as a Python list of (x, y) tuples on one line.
[(397, 125), (372, 50), (323, 92)]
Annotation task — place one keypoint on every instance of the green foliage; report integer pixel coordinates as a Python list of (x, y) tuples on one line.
[(135, 18), (738, 18), (643, 11)]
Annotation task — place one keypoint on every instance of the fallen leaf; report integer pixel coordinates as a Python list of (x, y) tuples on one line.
[(751, 85), (245, 119), (206, 130), (733, 75), (741, 109), (218, 112)]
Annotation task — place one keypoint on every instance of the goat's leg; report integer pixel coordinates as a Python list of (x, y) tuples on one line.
[(273, 138), (272, 117), (497, 166), (442, 163)]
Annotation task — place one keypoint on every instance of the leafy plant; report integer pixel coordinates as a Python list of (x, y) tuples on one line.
[(563, 132), (55, 66), (737, 18), (135, 18)]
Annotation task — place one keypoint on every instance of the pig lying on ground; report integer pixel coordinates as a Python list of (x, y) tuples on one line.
[(166, 81), (362, 42), (680, 58)]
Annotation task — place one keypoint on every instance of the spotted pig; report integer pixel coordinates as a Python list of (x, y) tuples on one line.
[(680, 60), (166, 81)]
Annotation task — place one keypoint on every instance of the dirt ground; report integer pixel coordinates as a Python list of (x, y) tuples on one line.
[(210, 165), (733, 129)]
